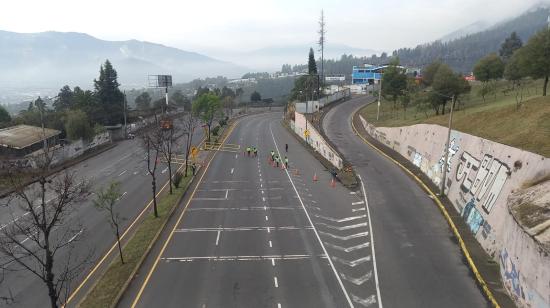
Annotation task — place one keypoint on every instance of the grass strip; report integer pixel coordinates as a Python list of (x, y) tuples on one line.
[(107, 290)]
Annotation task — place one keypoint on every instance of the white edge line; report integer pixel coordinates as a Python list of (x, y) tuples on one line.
[(314, 229), (372, 244)]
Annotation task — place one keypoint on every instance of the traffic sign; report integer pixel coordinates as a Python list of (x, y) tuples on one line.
[(306, 133)]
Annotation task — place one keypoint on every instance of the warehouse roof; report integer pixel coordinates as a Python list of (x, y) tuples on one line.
[(22, 136)]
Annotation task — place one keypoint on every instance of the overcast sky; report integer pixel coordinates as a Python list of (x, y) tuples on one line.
[(241, 25)]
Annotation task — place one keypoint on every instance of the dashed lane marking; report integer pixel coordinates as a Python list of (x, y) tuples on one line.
[(224, 229), (244, 258)]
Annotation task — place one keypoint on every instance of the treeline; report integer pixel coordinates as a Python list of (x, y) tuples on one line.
[(439, 84), (460, 54)]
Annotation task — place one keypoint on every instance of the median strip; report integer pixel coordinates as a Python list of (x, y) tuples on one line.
[(109, 288)]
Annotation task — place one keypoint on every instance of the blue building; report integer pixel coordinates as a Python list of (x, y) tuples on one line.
[(367, 74)]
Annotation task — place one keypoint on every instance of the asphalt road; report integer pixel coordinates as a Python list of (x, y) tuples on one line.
[(419, 264), (254, 235), (124, 163)]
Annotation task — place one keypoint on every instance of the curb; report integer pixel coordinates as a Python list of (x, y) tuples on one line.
[(487, 292)]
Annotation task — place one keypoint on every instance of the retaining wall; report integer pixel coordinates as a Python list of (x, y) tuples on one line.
[(481, 175), (315, 140)]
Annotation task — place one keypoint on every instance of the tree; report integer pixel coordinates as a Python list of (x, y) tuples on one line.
[(108, 95), (170, 138), (255, 97), (447, 84), (311, 64), (77, 126), (143, 101), (535, 56), (207, 107), (105, 201), (37, 240), (487, 69), (64, 100), (5, 117), (151, 141), (515, 73), (429, 72), (181, 100), (190, 122), (509, 46), (394, 82)]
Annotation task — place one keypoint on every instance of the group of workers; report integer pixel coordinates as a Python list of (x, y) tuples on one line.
[(277, 160), (251, 151)]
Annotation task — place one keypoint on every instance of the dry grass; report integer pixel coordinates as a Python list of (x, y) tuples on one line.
[(527, 128)]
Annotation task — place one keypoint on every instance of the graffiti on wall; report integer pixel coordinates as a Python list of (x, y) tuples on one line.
[(481, 179), (453, 149), (510, 274), (472, 216)]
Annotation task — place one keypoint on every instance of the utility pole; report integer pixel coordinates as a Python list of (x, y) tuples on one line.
[(124, 106), (379, 99), (322, 32), (447, 144)]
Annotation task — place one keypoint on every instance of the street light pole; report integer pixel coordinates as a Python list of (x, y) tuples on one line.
[(447, 144)]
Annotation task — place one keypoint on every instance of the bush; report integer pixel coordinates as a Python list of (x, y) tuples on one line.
[(223, 122), (216, 130), (177, 179)]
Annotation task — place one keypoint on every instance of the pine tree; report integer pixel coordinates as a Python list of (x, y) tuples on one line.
[(510, 45), (109, 97), (311, 65)]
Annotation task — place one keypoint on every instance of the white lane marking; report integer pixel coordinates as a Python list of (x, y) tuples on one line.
[(353, 193), (209, 199), (236, 156), (275, 281), (352, 263), (226, 193), (357, 210), (358, 202), (136, 172), (313, 226), (122, 173), (265, 208), (359, 280), (218, 237), (278, 305), (232, 169), (261, 185), (340, 220), (263, 199), (272, 261), (164, 171), (266, 218), (75, 236), (268, 230), (345, 238), (262, 191), (245, 258), (252, 208), (372, 246), (245, 229), (270, 244), (364, 301), (363, 224), (348, 249)]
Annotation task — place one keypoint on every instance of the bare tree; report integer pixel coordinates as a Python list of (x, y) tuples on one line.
[(152, 138), (41, 241), (105, 201), (170, 138), (190, 122)]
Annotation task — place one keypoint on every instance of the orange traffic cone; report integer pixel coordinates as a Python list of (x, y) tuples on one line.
[(332, 183), (315, 177)]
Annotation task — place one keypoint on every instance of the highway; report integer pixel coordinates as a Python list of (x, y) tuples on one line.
[(420, 264), (253, 235), (124, 163)]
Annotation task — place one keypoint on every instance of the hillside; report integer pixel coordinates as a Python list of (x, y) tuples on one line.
[(496, 119), (462, 53), (53, 59)]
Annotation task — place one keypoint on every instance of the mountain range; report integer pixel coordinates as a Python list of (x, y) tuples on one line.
[(52, 59)]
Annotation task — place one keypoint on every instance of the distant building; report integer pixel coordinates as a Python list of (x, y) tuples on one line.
[(368, 74), (18, 141)]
